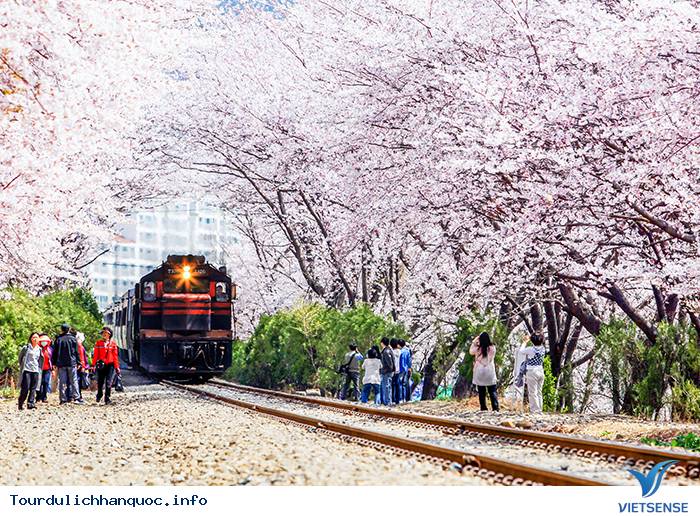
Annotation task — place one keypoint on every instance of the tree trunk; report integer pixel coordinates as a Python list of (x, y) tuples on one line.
[(439, 361), (462, 388)]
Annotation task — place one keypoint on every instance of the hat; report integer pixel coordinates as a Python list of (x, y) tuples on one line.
[(65, 327)]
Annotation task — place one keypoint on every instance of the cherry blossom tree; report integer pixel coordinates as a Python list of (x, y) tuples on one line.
[(74, 77)]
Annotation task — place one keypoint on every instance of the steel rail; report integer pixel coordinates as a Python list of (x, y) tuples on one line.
[(688, 464), (501, 470)]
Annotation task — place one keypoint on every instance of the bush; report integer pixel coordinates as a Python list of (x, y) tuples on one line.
[(689, 441), (22, 313), (303, 346), (639, 374), (549, 387), (685, 401)]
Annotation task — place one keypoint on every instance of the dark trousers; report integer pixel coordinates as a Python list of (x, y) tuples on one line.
[(492, 394), (45, 388), (28, 387), (104, 381), (396, 388), (351, 379)]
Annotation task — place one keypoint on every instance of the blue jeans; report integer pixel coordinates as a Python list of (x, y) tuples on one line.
[(45, 385), (386, 388), (367, 390)]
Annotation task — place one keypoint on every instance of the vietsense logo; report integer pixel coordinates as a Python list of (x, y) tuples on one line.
[(650, 483)]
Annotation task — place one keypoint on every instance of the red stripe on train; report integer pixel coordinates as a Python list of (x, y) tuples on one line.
[(185, 312)]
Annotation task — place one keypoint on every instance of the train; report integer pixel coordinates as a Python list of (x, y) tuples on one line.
[(178, 320)]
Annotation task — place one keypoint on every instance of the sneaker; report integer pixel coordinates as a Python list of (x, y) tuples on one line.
[(31, 406), (20, 407), (79, 402), (108, 402), (98, 398)]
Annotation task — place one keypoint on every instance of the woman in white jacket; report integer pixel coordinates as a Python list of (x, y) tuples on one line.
[(484, 375), (534, 374)]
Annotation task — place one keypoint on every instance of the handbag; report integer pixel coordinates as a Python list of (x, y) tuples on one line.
[(343, 369), (84, 380), (118, 385)]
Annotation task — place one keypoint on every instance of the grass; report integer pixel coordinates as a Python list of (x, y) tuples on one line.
[(689, 441), (8, 393)]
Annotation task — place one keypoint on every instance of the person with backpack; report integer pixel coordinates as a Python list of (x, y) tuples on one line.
[(484, 372), (105, 360), (371, 379), (351, 370), (533, 359), (31, 362), (386, 371), (46, 368), (65, 358)]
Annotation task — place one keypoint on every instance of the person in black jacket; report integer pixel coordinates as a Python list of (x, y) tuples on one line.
[(386, 372), (65, 359)]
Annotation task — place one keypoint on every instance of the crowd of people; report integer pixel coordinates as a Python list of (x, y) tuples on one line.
[(66, 359), (388, 371)]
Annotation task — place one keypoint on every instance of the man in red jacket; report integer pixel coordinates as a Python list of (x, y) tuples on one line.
[(105, 360)]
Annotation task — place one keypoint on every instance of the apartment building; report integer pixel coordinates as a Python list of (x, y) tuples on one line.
[(149, 237)]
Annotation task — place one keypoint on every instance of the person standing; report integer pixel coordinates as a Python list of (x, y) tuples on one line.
[(65, 358), (31, 362), (47, 366), (105, 360), (405, 370), (396, 379), (351, 369), (484, 372), (83, 363), (386, 371), (534, 372), (371, 379)]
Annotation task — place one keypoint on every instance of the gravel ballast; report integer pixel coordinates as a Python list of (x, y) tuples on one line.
[(154, 435), (473, 444)]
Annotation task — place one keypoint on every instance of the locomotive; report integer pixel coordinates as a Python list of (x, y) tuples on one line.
[(177, 320)]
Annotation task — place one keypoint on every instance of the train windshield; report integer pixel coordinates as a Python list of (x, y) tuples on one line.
[(178, 286)]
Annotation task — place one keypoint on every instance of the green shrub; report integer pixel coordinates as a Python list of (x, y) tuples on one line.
[(685, 401), (22, 313), (8, 393), (689, 441), (549, 387), (639, 374), (303, 346)]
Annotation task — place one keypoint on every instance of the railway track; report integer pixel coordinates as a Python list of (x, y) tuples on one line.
[(687, 465), (493, 469)]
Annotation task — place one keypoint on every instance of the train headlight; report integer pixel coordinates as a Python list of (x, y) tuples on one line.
[(186, 273)]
